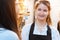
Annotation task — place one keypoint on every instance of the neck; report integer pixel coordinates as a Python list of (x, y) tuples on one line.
[(41, 23)]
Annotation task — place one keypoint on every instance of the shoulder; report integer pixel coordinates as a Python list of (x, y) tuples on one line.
[(53, 29), (25, 32), (10, 35), (26, 27)]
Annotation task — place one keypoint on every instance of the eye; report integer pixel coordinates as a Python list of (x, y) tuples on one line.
[(45, 10), (39, 9)]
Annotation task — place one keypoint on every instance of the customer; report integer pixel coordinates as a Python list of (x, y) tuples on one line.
[(8, 21)]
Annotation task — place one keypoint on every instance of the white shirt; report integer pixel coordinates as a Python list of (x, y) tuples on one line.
[(26, 30)]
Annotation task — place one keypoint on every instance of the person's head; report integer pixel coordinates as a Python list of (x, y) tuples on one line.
[(42, 11), (8, 15), (58, 26)]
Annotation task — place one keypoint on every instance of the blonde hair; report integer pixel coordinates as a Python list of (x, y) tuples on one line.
[(47, 3)]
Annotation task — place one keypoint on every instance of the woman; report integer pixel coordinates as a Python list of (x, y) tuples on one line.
[(8, 22), (40, 29), (58, 27)]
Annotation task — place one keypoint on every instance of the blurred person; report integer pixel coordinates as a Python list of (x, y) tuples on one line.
[(8, 21), (58, 26), (41, 28)]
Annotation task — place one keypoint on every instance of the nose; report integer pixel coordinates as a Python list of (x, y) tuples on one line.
[(41, 12)]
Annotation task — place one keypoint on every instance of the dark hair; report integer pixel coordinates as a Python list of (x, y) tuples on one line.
[(47, 3), (58, 26), (8, 15)]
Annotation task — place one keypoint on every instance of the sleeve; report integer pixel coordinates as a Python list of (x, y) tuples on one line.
[(25, 32), (55, 34)]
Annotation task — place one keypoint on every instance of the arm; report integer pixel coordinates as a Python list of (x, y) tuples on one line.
[(55, 34), (25, 32)]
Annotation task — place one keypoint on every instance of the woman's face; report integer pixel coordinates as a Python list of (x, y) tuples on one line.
[(41, 12)]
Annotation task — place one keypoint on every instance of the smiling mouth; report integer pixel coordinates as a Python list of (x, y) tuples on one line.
[(41, 15)]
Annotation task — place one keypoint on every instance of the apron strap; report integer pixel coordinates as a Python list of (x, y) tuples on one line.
[(49, 33), (31, 31)]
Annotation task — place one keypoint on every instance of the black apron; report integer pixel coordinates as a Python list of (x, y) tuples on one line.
[(39, 37)]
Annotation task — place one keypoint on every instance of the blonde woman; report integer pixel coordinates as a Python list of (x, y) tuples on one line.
[(40, 29)]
